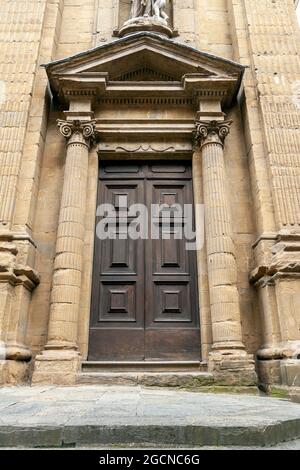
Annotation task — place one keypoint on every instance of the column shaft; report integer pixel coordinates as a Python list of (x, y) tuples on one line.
[(222, 268), (65, 296)]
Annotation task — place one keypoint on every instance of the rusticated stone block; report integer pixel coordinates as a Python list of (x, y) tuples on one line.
[(14, 372), (232, 370), (56, 367), (269, 372)]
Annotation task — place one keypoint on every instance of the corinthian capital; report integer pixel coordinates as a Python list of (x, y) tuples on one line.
[(213, 132), (85, 130)]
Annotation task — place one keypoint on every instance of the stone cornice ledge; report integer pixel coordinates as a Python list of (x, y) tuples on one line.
[(14, 273), (22, 275), (284, 258), (266, 275), (6, 235)]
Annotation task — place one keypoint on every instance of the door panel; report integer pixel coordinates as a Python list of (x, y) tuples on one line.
[(144, 301), (119, 302), (119, 256), (117, 317), (172, 309)]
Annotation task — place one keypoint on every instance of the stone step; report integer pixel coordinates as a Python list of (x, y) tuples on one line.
[(148, 379), (144, 366), (96, 416)]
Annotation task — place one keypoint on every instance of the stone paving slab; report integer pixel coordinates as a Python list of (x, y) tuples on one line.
[(103, 415)]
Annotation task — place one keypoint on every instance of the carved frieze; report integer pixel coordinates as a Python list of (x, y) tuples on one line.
[(145, 148)]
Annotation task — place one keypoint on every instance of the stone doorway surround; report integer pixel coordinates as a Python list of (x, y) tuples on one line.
[(145, 96)]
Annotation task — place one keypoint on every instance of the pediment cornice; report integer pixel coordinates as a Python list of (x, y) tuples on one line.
[(119, 69)]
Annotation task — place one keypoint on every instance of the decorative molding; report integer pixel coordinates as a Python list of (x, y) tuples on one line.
[(212, 132), (154, 100), (144, 148)]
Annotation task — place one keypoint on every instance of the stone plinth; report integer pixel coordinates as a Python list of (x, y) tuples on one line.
[(146, 23)]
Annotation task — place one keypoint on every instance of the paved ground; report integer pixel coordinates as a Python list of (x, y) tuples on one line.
[(103, 416)]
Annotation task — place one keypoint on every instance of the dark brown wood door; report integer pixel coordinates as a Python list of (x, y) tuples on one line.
[(144, 298)]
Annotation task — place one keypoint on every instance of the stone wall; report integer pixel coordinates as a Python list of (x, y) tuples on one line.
[(21, 29), (216, 40), (266, 38)]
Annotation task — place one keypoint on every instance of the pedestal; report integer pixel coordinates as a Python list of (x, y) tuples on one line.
[(144, 23)]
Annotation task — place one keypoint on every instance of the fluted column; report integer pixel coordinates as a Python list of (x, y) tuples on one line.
[(65, 296), (222, 267), (228, 359)]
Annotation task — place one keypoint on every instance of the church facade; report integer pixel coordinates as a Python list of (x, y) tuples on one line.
[(191, 106)]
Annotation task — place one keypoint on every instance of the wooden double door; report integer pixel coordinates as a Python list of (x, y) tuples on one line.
[(144, 296)]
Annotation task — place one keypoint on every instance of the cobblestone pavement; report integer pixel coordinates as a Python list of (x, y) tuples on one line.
[(82, 416)]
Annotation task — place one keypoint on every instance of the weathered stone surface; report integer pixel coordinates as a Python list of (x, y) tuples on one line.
[(269, 372), (233, 370), (290, 372), (57, 367), (249, 183), (103, 416), (13, 372), (148, 379)]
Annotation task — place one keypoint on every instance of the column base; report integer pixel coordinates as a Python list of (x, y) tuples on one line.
[(236, 368), (281, 350), (14, 372), (17, 352), (58, 367)]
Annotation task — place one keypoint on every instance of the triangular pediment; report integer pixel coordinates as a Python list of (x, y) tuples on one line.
[(142, 57)]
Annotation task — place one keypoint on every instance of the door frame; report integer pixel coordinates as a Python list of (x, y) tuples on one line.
[(193, 268), (96, 157)]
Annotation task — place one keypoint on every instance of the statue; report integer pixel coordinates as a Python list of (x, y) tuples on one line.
[(158, 9), (148, 8), (147, 15), (141, 8)]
